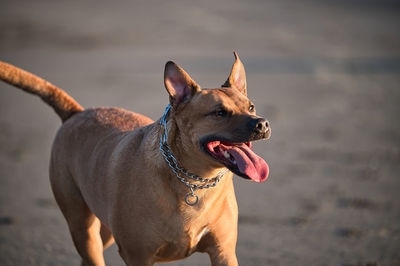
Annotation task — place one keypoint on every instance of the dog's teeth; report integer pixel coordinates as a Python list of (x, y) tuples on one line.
[(226, 155)]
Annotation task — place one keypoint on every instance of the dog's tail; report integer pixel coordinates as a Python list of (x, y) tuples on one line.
[(64, 105)]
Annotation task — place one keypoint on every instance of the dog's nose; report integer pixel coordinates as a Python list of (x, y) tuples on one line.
[(260, 125)]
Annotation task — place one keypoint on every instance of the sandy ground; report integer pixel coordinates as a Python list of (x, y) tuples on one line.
[(325, 73)]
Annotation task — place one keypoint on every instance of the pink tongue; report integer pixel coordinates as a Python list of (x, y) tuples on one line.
[(249, 163)]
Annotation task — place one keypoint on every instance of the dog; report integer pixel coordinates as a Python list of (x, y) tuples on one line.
[(161, 190)]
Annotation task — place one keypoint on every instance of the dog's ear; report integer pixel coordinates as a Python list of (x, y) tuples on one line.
[(237, 78), (179, 84)]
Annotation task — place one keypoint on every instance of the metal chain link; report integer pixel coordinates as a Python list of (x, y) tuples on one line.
[(174, 165)]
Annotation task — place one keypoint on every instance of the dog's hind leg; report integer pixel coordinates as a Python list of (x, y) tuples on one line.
[(84, 226)]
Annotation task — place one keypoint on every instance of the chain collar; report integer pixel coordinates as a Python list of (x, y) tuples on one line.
[(190, 198)]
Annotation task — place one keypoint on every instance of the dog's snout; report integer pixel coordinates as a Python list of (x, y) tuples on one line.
[(260, 125)]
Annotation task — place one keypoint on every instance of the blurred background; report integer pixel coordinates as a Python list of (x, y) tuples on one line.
[(324, 73)]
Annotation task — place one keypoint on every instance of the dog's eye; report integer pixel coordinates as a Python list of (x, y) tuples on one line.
[(220, 112), (251, 108)]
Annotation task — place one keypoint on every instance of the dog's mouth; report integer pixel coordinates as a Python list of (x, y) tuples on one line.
[(239, 158)]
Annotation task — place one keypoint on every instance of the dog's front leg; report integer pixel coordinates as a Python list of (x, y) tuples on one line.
[(220, 243), (220, 246), (222, 252), (227, 258)]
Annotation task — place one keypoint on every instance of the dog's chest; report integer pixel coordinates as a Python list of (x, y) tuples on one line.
[(182, 246)]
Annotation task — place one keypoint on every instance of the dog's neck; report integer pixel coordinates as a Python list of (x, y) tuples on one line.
[(189, 158)]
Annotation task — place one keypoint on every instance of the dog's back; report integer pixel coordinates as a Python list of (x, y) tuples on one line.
[(93, 136)]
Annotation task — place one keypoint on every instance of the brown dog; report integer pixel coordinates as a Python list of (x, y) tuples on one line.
[(119, 175)]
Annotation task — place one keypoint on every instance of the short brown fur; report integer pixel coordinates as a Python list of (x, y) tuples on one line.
[(112, 183)]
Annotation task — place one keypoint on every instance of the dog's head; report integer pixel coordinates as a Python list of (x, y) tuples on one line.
[(218, 125)]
